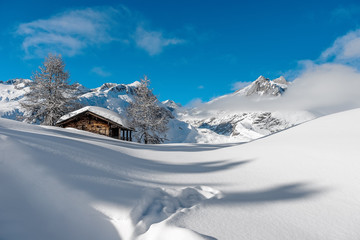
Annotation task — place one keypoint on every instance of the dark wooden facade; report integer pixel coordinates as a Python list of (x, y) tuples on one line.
[(91, 122)]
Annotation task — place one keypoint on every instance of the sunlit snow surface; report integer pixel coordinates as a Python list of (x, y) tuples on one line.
[(301, 183)]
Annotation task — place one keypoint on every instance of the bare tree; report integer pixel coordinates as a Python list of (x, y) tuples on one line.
[(146, 116), (51, 95)]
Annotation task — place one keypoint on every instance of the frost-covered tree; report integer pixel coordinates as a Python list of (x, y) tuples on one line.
[(146, 116), (51, 95)]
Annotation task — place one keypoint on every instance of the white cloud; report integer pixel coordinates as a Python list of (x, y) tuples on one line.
[(196, 102), (345, 48), (325, 88), (71, 32), (100, 71), (153, 41), (320, 89), (239, 85), (67, 33)]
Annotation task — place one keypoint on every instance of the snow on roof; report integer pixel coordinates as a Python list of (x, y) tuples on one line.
[(102, 112)]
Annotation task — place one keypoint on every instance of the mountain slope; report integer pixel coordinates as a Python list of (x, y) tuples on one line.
[(302, 182), (246, 126), (11, 92), (113, 96)]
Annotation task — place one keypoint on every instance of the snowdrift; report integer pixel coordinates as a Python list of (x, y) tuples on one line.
[(302, 183)]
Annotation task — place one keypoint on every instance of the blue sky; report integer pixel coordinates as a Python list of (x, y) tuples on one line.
[(189, 49)]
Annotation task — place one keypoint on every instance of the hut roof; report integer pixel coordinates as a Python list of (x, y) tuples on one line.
[(102, 112)]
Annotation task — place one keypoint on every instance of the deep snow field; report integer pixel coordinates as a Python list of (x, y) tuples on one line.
[(301, 183)]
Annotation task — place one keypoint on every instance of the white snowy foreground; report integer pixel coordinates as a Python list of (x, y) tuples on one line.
[(302, 183)]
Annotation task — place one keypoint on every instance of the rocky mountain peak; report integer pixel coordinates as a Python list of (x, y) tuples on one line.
[(263, 86), (261, 78), (171, 105), (281, 80), (107, 86)]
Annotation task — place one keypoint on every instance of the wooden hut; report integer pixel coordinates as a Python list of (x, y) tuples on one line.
[(97, 120)]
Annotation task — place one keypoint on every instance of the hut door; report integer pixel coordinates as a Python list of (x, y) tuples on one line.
[(114, 132)]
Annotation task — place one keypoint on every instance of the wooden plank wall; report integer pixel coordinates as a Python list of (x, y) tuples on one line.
[(91, 124)]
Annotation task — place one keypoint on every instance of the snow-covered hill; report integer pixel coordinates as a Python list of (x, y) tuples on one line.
[(301, 183), (186, 125)]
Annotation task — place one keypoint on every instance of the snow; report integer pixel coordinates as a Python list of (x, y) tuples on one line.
[(103, 112), (301, 183)]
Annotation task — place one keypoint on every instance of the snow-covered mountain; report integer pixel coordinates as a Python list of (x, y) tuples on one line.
[(184, 125), (264, 86), (11, 92), (246, 125), (171, 105), (113, 96)]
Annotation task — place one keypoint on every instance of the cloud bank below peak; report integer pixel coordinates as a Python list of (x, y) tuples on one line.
[(323, 86), (71, 32), (321, 89)]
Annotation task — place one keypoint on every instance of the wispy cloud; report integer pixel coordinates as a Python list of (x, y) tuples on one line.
[(67, 33), (345, 12), (196, 102), (71, 32), (239, 85), (345, 48), (153, 41), (100, 71)]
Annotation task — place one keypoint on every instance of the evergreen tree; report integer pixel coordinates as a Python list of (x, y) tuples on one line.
[(51, 95), (146, 116)]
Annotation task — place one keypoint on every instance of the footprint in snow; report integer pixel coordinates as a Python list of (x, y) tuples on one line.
[(159, 204)]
